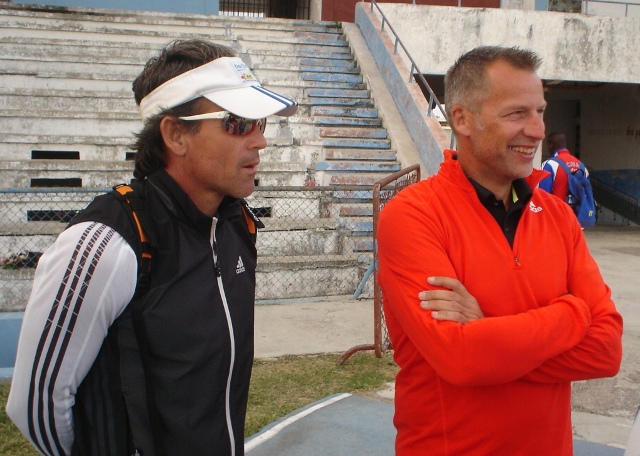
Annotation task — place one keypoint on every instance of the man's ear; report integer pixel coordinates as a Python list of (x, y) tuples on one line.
[(461, 119), (173, 135)]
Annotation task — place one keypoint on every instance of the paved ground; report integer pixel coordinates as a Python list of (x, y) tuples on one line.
[(602, 409)]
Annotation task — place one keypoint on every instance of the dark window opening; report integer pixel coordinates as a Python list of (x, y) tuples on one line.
[(287, 9), (130, 156), (436, 83), (73, 182), (55, 155)]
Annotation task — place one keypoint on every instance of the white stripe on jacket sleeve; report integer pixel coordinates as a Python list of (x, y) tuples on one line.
[(81, 285)]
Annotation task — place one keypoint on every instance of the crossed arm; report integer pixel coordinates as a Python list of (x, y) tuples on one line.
[(451, 302), (575, 335)]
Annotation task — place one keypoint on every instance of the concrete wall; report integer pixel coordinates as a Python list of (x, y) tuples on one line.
[(343, 10), (618, 8), (602, 121), (573, 46)]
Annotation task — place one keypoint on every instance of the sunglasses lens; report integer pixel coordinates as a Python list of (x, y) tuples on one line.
[(240, 126), (262, 124)]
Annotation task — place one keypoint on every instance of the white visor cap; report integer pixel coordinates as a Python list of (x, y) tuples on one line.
[(226, 81)]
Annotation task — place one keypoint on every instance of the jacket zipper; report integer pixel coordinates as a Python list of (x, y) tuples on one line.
[(225, 304)]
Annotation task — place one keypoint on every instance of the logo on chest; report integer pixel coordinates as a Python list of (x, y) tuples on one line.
[(240, 266)]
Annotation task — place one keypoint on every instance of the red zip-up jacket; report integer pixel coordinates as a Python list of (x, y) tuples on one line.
[(500, 385)]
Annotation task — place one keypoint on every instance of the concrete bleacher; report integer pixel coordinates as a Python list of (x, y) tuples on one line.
[(65, 88), (66, 72)]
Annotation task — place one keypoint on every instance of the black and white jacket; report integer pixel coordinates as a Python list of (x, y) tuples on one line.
[(83, 384)]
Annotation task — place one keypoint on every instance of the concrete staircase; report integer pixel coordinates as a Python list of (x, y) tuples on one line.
[(68, 118)]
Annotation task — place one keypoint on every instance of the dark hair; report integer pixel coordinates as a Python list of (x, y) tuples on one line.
[(556, 140), (176, 58), (466, 82)]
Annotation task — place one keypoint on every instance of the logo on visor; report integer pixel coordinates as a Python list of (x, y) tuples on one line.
[(245, 73)]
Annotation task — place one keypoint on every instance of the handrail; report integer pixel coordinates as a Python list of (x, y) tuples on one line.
[(615, 199), (433, 100)]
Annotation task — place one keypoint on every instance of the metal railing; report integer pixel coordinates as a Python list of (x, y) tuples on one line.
[(415, 71), (383, 191), (291, 9), (615, 200)]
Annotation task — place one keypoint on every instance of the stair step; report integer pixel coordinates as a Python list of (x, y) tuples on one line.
[(359, 154), (349, 132), (339, 111), (348, 143), (315, 37), (101, 52), (332, 77), (355, 196), (365, 179), (16, 147), (339, 62), (339, 57), (251, 45), (281, 277), (329, 66), (50, 48), (339, 102), (100, 178), (291, 79), (332, 93), (337, 122), (360, 210), (333, 41), (357, 226), (363, 245), (357, 167)]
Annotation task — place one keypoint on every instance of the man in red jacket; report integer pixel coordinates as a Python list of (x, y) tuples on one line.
[(489, 328)]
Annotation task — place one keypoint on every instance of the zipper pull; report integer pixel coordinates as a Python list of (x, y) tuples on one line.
[(517, 261), (216, 263)]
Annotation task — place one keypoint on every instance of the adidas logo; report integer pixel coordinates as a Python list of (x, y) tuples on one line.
[(239, 266), (533, 207)]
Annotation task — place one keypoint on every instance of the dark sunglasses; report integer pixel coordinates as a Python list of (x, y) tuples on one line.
[(232, 124)]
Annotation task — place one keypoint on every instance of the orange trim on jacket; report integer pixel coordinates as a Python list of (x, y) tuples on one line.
[(499, 385)]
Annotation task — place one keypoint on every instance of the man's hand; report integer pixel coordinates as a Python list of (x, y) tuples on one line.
[(455, 305)]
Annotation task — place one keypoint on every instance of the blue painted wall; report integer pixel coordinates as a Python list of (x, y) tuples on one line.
[(171, 6), (10, 323), (627, 180)]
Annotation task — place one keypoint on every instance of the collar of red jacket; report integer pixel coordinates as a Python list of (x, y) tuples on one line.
[(533, 179)]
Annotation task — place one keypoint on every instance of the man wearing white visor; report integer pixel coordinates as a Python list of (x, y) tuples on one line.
[(138, 335)]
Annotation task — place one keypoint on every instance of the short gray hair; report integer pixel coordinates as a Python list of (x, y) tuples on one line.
[(466, 81)]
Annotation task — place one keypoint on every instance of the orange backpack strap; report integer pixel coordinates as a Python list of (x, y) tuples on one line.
[(253, 222), (125, 194)]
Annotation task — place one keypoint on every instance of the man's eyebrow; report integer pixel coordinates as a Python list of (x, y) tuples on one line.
[(524, 107)]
